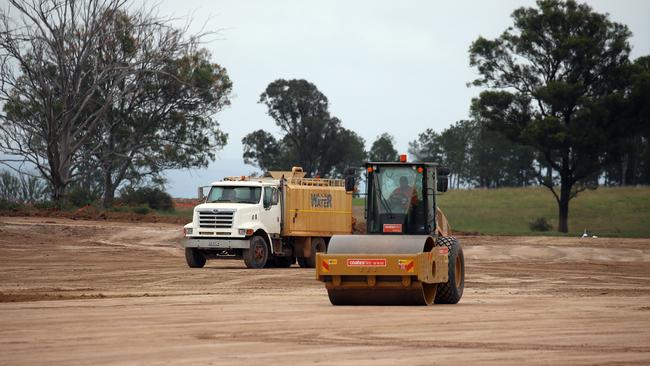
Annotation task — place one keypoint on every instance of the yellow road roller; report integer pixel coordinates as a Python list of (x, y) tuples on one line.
[(406, 256)]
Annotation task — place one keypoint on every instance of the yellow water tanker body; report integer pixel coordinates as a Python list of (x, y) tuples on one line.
[(316, 207), (407, 256)]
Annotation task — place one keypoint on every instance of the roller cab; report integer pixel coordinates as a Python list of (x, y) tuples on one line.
[(406, 257)]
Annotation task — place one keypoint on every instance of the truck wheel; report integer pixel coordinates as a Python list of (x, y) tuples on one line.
[(317, 246), (452, 291), (194, 258), (258, 254)]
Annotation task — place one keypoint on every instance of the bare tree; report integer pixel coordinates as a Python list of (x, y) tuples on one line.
[(50, 74), (166, 118)]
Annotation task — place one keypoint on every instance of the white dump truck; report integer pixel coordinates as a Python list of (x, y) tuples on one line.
[(268, 222)]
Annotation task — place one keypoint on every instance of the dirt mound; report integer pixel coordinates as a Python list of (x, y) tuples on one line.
[(92, 213)]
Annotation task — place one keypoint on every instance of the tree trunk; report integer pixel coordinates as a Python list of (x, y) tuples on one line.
[(59, 180), (108, 165), (111, 184), (109, 189), (632, 163), (563, 206), (58, 193)]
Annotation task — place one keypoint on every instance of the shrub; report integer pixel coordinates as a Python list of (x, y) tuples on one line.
[(21, 188), (140, 210), (33, 189), (8, 205), (119, 209), (47, 205), (79, 197), (539, 224), (9, 187), (155, 198)]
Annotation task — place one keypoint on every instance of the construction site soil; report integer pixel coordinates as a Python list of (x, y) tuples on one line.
[(78, 292)]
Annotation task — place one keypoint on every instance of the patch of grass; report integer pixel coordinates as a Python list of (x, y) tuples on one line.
[(48, 205), (179, 211), (120, 209), (623, 212), (358, 201)]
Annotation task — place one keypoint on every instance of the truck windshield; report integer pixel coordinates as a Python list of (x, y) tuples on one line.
[(235, 194)]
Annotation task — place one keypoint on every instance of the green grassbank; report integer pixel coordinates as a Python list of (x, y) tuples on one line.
[(605, 211)]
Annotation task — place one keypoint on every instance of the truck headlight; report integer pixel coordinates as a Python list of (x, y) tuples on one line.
[(187, 231), (245, 232)]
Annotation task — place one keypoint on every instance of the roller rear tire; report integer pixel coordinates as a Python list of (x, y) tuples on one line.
[(318, 245), (452, 291)]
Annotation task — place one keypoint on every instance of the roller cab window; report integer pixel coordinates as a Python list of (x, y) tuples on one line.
[(395, 201)]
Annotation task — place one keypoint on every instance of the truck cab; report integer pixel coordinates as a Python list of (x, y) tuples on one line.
[(233, 212)]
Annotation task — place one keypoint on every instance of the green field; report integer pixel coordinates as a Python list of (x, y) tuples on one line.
[(621, 212)]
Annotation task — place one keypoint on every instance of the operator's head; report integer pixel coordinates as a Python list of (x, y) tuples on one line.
[(403, 182)]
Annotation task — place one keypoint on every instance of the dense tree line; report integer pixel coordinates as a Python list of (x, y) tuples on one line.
[(476, 156), (631, 166)]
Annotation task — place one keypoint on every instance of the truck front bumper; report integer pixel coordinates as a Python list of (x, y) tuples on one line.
[(216, 243)]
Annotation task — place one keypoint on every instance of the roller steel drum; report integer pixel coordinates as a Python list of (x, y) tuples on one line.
[(384, 292)]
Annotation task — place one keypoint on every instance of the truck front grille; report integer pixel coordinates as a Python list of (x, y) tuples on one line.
[(215, 220)]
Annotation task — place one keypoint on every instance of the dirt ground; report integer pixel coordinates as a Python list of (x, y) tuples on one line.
[(97, 292)]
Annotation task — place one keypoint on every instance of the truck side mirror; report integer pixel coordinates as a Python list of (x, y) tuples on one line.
[(350, 182), (443, 183)]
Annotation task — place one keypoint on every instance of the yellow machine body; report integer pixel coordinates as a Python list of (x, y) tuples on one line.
[(386, 270)]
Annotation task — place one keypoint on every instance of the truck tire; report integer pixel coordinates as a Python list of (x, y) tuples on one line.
[(317, 246), (258, 254), (452, 291), (194, 258)]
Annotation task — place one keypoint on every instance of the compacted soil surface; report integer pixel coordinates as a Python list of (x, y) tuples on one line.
[(77, 292)]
